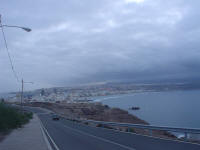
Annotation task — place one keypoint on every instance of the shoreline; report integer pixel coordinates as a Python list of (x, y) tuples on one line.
[(152, 104), (111, 96)]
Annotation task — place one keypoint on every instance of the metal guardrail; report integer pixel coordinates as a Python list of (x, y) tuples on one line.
[(150, 128), (163, 128)]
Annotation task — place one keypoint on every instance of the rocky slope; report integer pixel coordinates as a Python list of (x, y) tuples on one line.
[(99, 112)]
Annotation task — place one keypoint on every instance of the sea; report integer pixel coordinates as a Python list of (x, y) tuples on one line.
[(171, 108)]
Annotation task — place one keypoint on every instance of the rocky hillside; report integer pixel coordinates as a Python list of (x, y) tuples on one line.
[(94, 111)]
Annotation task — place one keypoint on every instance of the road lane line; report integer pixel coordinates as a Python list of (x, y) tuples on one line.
[(102, 139), (45, 137), (52, 141)]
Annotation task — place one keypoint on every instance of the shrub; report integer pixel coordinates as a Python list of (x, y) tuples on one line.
[(11, 118), (130, 130), (104, 126)]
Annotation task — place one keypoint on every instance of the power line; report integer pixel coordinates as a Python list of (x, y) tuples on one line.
[(9, 56), (6, 45)]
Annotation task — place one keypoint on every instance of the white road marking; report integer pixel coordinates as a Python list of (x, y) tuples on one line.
[(54, 144), (45, 137), (102, 139)]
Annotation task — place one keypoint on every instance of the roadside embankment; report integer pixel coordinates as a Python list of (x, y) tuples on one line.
[(99, 112), (29, 137), (11, 118), (93, 111)]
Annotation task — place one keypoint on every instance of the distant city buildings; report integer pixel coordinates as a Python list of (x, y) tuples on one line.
[(87, 93)]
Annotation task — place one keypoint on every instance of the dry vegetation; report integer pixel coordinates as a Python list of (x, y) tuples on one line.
[(97, 111), (93, 111)]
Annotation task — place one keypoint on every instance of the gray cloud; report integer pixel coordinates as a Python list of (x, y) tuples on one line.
[(78, 41)]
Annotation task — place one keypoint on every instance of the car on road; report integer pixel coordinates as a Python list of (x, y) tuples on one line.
[(55, 117)]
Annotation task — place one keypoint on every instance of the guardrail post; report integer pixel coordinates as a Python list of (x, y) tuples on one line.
[(150, 132), (186, 136)]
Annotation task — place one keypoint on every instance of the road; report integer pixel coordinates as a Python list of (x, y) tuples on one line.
[(69, 135)]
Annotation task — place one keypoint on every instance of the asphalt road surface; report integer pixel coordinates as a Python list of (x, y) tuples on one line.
[(69, 135)]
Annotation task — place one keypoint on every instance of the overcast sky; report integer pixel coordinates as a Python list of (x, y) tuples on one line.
[(84, 41)]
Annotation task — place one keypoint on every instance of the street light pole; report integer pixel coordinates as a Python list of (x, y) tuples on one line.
[(13, 26), (22, 92), (24, 28), (27, 30)]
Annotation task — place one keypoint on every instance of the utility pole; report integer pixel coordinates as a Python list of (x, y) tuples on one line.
[(11, 62), (22, 94)]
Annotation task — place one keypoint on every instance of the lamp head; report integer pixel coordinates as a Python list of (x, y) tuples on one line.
[(26, 29)]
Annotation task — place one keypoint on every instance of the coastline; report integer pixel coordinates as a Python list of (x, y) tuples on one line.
[(111, 96), (176, 106)]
